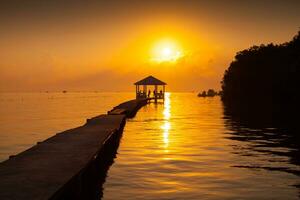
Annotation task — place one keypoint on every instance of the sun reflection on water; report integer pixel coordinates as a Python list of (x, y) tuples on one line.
[(166, 126), (167, 106)]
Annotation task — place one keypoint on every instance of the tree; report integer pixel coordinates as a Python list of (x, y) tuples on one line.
[(266, 73)]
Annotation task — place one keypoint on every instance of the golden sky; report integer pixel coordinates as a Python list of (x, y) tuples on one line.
[(107, 45)]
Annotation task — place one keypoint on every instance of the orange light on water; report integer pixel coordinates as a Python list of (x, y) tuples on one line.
[(167, 107), (167, 125)]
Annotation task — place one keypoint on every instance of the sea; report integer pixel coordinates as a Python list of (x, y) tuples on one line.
[(185, 147)]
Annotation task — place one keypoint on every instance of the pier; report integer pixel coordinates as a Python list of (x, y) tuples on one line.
[(66, 165)]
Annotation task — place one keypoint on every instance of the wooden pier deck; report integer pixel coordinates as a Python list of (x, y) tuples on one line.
[(48, 169)]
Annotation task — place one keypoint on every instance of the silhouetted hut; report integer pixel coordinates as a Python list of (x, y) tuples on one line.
[(150, 81)]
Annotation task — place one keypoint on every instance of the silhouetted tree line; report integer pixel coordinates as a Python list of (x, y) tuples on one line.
[(264, 74)]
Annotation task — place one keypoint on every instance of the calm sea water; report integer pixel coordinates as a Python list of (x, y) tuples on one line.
[(27, 118), (185, 148)]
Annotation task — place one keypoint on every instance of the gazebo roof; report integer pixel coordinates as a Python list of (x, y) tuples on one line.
[(150, 80)]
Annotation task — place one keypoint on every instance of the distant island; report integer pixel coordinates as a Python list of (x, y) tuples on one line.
[(209, 93)]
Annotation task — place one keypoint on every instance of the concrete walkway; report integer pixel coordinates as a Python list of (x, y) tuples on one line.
[(44, 169)]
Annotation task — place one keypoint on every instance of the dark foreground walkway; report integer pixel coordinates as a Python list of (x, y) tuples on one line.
[(50, 168)]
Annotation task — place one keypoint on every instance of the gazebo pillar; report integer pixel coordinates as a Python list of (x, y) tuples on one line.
[(136, 91)]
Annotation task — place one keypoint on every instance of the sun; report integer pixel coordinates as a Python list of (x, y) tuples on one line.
[(166, 51)]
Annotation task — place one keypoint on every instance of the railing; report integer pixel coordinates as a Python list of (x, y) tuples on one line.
[(151, 96)]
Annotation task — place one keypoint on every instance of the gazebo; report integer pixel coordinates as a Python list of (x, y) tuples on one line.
[(150, 81)]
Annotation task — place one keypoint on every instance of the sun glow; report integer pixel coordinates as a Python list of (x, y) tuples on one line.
[(166, 51)]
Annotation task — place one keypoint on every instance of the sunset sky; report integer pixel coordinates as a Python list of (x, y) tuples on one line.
[(107, 45)]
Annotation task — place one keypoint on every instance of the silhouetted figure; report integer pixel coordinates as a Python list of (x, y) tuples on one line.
[(149, 92), (160, 94), (139, 94)]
